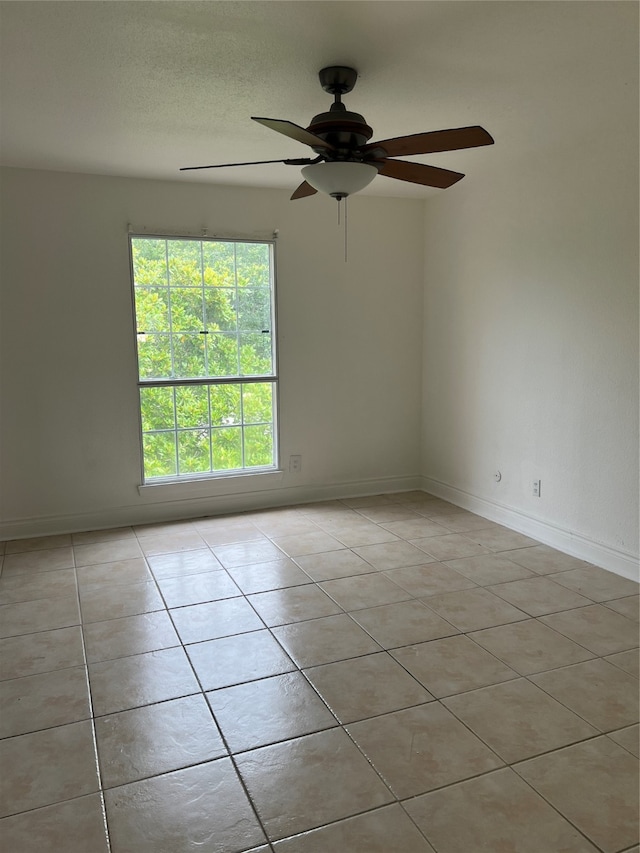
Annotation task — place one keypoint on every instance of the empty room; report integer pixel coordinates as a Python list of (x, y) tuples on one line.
[(319, 426)]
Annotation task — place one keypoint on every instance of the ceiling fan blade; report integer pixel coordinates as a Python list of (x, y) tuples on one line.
[(293, 131), (437, 140), (298, 161), (418, 173), (302, 191)]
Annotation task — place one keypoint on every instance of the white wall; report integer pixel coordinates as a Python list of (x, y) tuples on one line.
[(350, 344), (531, 336)]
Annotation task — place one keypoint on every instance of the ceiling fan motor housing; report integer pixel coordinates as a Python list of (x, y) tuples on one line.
[(344, 130)]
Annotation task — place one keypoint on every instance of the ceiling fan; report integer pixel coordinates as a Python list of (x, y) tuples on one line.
[(346, 161)]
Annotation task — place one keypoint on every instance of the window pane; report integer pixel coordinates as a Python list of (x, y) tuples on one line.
[(156, 405), (222, 352), (252, 264), (194, 452), (254, 309), (219, 264), (149, 262), (225, 405), (154, 356), (255, 354), (220, 309), (187, 314), (257, 403), (185, 267), (188, 356), (192, 406), (258, 445), (152, 309), (227, 448), (159, 454)]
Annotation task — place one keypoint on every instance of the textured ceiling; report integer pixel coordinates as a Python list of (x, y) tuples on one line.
[(142, 88)]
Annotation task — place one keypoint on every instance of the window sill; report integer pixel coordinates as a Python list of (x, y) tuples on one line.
[(232, 483)]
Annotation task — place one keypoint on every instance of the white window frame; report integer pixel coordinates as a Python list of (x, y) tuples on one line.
[(174, 382)]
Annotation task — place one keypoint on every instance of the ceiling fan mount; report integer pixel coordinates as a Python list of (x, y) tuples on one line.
[(346, 161)]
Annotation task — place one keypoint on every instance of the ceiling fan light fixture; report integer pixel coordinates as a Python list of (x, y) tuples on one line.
[(339, 178)]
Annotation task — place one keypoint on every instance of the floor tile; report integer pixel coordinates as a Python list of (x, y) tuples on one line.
[(46, 651), (117, 685), (628, 606), (91, 536), (130, 635), (215, 619), (262, 577), (402, 624), (333, 564), (595, 784), (49, 560), (27, 617), (43, 701), (595, 583), (308, 543), (30, 587), (416, 528), (294, 604), (107, 552), (422, 748), (539, 596), (530, 646), (353, 594), (325, 640), (518, 720), (385, 830), (236, 659), (274, 525), (355, 533), (596, 628), (449, 547), (366, 687), (104, 601), (429, 579), (489, 568), (628, 661), (474, 609), (304, 783), (220, 531), (268, 710), (500, 811), (366, 501), (47, 767), (74, 826), (501, 538), (172, 543), (196, 809), (183, 563), (391, 555), (245, 553), (156, 739), (461, 522), (544, 560), (197, 589), (387, 513), (600, 693), (628, 739), (38, 543), (452, 665), (120, 572)]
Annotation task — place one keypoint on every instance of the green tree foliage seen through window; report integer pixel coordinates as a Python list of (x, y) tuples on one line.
[(204, 312)]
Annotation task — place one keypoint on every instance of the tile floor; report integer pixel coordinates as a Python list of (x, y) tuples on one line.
[(373, 675)]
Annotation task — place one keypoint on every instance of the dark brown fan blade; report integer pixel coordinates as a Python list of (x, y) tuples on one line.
[(418, 173), (302, 191), (293, 131), (437, 140), (296, 162)]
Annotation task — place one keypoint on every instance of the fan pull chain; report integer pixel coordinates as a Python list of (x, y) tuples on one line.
[(345, 229)]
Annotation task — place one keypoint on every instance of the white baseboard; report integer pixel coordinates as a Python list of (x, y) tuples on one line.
[(158, 510), (614, 560)]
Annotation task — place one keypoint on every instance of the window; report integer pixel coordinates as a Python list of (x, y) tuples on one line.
[(206, 356)]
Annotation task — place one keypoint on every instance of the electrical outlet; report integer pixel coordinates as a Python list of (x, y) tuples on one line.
[(295, 464), (536, 488)]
